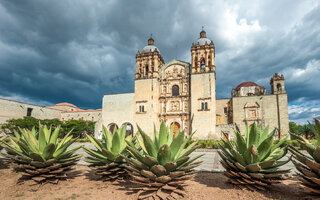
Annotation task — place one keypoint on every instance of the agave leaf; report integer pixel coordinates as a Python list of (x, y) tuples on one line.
[(164, 154), (150, 161), (135, 152), (48, 151), (265, 148), (279, 143), (36, 157), (150, 147), (253, 135), (42, 138), (17, 135), (280, 163), (316, 154), (141, 144), (237, 156), (69, 152), (277, 154), (63, 148), (107, 138), (70, 158), (226, 153), (246, 135), (163, 134), (176, 144), (54, 136), (122, 137), (241, 144), (253, 167), (316, 130), (183, 144), (170, 138), (94, 154), (309, 147), (116, 142), (110, 155), (247, 156), (264, 134), (267, 164), (95, 142), (155, 137), (191, 160), (185, 152), (47, 133), (65, 139), (16, 146)]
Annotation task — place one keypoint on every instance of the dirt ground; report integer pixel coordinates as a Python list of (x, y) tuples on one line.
[(83, 184)]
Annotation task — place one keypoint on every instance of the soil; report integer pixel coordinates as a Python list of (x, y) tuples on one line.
[(83, 184)]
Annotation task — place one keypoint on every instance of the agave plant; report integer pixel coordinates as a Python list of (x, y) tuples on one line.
[(40, 156), (308, 165), (254, 160), (106, 159), (163, 166)]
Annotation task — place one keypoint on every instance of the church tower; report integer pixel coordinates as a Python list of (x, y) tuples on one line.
[(148, 61), (147, 86), (203, 88), (277, 84), (202, 54)]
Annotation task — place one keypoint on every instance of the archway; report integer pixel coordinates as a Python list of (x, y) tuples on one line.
[(129, 128), (111, 127), (176, 127)]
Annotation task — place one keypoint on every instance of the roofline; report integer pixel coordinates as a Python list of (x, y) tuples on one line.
[(29, 104), (119, 93)]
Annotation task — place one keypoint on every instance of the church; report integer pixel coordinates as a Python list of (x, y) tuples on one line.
[(183, 94)]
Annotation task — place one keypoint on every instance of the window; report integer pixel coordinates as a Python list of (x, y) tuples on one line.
[(141, 108), (278, 87), (29, 111), (202, 63), (175, 90), (225, 109), (250, 94), (92, 119), (202, 106), (206, 106), (147, 70)]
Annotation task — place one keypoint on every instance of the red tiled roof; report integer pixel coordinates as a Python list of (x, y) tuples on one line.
[(66, 104), (246, 84)]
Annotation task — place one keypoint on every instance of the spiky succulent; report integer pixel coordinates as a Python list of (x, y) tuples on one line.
[(40, 156), (161, 169), (253, 161), (308, 165), (106, 159)]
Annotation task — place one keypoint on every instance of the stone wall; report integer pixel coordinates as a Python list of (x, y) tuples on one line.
[(13, 110), (94, 115), (222, 116), (269, 111), (203, 91), (117, 109)]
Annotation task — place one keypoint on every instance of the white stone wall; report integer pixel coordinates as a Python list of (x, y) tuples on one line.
[(118, 109), (13, 110), (84, 115), (203, 90)]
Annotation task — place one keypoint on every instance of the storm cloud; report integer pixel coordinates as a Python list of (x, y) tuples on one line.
[(78, 50)]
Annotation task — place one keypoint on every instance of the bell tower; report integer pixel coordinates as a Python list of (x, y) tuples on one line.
[(277, 84), (148, 61), (202, 54)]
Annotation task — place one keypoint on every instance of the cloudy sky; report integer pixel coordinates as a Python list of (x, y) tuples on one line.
[(78, 50)]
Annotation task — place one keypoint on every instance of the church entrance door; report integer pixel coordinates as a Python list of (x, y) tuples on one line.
[(176, 127)]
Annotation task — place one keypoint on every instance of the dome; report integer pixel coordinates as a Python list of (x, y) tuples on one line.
[(246, 84), (203, 41), (151, 48)]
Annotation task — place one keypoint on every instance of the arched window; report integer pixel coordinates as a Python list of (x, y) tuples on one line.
[(175, 90), (202, 106), (202, 64), (206, 106), (278, 87)]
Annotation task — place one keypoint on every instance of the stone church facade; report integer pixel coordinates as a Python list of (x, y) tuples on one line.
[(184, 95)]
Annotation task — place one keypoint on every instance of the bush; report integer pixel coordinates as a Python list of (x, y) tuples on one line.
[(79, 127)]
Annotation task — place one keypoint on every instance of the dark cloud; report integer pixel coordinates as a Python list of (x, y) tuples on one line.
[(78, 50)]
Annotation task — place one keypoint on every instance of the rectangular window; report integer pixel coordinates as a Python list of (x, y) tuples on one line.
[(29, 111), (225, 110), (206, 106), (142, 108), (202, 106)]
